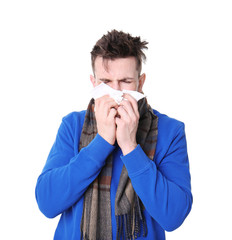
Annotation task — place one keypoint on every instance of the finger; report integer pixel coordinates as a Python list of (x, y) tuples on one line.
[(102, 100), (111, 105), (118, 121), (105, 98), (130, 98), (112, 114), (133, 102), (127, 107), (99, 101), (123, 114), (133, 113), (104, 104)]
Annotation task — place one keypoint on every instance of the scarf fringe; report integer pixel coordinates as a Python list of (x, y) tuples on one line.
[(125, 224)]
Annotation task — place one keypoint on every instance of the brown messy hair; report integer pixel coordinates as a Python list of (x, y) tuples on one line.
[(117, 44)]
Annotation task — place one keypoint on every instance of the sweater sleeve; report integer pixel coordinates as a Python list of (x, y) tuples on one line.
[(163, 188), (66, 177)]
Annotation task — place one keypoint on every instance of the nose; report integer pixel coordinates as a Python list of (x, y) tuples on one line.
[(115, 85)]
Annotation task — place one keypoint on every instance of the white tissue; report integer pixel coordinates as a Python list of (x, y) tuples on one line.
[(104, 89)]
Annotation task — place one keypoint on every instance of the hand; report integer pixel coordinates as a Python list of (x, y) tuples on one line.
[(105, 112), (127, 124)]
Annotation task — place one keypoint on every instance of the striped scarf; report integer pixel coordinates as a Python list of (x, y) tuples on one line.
[(96, 216)]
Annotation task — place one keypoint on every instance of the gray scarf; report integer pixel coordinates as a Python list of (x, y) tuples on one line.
[(96, 216)]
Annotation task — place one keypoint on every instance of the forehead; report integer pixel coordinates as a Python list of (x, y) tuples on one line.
[(119, 66)]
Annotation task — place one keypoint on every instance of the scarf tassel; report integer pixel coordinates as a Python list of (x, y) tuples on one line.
[(125, 224)]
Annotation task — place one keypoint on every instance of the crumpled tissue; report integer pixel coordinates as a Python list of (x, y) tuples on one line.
[(103, 89)]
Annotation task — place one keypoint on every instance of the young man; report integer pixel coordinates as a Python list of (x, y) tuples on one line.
[(117, 171)]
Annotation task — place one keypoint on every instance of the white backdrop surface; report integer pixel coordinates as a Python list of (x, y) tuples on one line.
[(44, 74)]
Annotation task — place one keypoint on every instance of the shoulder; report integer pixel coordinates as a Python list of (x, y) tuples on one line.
[(171, 134), (74, 118), (74, 121), (168, 124)]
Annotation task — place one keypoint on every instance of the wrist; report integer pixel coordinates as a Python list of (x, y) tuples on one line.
[(108, 139), (127, 148)]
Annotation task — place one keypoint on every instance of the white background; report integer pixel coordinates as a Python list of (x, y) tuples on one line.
[(44, 74)]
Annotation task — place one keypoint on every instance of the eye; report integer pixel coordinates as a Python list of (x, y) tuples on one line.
[(126, 81), (106, 81)]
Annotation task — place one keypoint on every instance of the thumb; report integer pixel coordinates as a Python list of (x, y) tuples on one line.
[(112, 113), (118, 120)]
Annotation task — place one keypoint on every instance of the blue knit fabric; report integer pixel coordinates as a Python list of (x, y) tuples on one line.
[(163, 185)]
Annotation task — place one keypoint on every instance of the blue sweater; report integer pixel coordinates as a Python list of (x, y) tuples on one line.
[(163, 185)]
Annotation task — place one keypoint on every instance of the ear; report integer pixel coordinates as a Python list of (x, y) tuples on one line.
[(142, 79), (93, 81)]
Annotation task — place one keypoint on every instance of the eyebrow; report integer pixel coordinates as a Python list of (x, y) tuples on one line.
[(126, 78)]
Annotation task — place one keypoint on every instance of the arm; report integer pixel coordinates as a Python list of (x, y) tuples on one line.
[(66, 177), (163, 188)]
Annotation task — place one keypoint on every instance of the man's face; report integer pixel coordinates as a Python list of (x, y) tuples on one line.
[(119, 74)]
